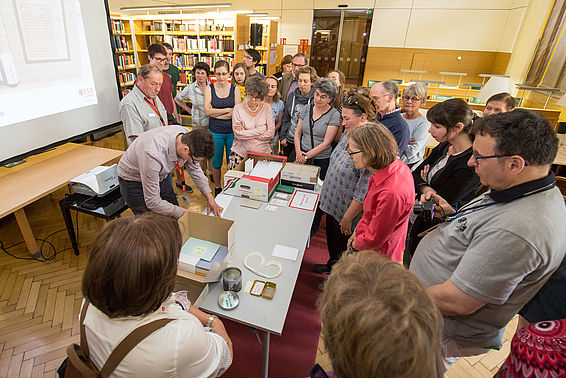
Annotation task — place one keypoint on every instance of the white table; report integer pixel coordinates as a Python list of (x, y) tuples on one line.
[(259, 231)]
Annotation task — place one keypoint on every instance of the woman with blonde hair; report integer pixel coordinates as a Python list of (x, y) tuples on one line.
[(390, 196), (414, 97), (345, 187), (273, 98), (239, 78)]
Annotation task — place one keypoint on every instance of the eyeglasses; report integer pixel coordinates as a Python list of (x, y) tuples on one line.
[(412, 98), (352, 101), (378, 97), (161, 60), (298, 65), (353, 153), (477, 157)]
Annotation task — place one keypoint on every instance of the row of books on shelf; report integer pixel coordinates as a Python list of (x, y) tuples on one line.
[(127, 78), (125, 60), (212, 44), (173, 26), (125, 91), (185, 60), (118, 26), (185, 78), (120, 43)]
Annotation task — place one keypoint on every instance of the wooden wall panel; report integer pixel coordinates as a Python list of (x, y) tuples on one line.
[(384, 63)]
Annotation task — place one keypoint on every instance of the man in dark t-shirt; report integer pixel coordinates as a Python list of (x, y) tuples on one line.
[(156, 54)]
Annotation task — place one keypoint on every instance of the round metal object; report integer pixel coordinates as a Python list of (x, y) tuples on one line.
[(228, 300), (232, 279)]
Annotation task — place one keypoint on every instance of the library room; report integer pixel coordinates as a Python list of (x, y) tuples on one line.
[(317, 188)]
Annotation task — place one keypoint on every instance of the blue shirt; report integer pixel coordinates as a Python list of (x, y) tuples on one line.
[(277, 107), (395, 122)]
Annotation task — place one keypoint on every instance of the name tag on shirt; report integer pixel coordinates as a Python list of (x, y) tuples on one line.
[(151, 115)]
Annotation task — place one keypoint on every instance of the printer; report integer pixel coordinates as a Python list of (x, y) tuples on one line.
[(97, 182)]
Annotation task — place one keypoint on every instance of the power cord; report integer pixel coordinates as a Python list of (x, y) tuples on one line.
[(45, 242)]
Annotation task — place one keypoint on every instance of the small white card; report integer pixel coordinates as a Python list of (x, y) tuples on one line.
[(288, 253), (249, 166)]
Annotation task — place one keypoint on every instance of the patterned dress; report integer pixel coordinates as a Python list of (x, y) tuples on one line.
[(538, 350)]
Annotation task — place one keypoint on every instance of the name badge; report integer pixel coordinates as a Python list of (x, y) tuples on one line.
[(151, 115)]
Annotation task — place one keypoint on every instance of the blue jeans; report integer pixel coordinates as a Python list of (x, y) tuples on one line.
[(132, 192), (221, 141)]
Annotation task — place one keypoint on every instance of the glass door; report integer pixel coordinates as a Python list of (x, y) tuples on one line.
[(339, 41)]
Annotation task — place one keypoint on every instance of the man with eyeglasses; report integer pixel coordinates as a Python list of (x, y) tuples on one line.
[(144, 169), (157, 54), (491, 256), (290, 80), (384, 96), (252, 58)]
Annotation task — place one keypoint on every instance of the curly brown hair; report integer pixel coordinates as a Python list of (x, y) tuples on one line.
[(378, 320)]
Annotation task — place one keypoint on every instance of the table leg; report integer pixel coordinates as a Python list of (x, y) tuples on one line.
[(25, 229), (69, 224), (265, 362)]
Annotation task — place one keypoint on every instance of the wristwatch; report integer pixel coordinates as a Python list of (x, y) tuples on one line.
[(210, 320)]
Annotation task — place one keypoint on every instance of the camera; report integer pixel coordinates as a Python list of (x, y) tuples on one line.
[(426, 209)]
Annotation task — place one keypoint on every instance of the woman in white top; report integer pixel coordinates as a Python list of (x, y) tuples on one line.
[(414, 97), (129, 281)]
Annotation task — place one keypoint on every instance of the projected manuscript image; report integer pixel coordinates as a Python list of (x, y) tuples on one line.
[(44, 59)]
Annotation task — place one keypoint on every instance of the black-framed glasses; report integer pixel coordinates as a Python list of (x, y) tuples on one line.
[(353, 153), (352, 101), (477, 157), (161, 60)]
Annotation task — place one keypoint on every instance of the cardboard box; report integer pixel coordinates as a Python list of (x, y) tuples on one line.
[(300, 175), (213, 229), (196, 291), (238, 183)]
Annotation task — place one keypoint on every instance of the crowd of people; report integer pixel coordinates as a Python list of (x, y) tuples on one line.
[(483, 248)]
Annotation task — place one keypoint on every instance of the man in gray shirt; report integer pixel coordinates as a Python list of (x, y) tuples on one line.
[(141, 109), (492, 256), (143, 169)]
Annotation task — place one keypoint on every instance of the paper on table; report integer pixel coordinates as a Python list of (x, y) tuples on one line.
[(203, 249), (267, 169), (288, 253), (279, 202), (223, 201), (304, 200), (249, 165)]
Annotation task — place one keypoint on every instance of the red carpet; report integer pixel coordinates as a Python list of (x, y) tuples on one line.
[(293, 353)]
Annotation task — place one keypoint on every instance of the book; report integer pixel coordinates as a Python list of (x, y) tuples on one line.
[(202, 249)]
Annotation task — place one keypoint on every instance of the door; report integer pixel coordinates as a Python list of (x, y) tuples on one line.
[(340, 41)]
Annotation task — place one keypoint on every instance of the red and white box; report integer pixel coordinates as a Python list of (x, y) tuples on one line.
[(246, 185)]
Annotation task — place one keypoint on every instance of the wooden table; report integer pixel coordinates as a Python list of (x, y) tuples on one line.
[(43, 174)]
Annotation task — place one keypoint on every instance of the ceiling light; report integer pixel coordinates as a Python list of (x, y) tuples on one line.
[(191, 6)]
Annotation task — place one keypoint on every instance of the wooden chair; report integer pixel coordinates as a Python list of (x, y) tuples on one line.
[(561, 184)]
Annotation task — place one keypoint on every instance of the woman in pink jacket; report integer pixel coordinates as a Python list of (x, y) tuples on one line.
[(252, 122), (390, 196)]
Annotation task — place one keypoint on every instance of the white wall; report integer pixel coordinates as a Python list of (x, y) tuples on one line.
[(479, 25)]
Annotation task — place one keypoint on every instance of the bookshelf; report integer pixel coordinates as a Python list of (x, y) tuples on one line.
[(268, 48), (193, 40), (124, 53)]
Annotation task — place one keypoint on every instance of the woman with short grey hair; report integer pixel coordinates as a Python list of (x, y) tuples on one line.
[(317, 127), (414, 97), (252, 122)]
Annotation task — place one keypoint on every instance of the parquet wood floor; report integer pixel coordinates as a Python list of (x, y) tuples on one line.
[(40, 301)]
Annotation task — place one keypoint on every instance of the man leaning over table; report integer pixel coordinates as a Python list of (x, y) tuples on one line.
[(488, 259), (144, 167)]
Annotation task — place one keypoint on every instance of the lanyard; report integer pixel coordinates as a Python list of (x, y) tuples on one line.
[(155, 110), (181, 175)]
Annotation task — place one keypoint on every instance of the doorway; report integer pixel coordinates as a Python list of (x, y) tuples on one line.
[(340, 40)]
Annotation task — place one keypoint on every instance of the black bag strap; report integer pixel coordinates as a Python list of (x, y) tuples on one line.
[(118, 354), (311, 126)]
